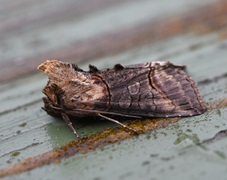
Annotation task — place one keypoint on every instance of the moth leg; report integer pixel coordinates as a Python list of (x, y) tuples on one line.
[(124, 115), (113, 120), (67, 120)]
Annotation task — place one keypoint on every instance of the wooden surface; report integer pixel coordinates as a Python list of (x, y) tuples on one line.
[(53, 27)]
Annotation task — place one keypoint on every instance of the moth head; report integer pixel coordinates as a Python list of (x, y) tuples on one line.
[(50, 108), (50, 91), (51, 104)]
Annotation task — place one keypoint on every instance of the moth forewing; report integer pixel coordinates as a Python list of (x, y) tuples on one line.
[(156, 89)]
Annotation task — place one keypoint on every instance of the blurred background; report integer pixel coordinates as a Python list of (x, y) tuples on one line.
[(104, 33), (32, 31)]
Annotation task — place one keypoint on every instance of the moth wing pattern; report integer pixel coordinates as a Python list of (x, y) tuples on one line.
[(158, 89)]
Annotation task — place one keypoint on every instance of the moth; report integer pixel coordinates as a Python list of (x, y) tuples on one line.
[(154, 89)]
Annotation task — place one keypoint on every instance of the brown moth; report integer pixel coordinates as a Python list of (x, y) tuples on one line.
[(155, 89)]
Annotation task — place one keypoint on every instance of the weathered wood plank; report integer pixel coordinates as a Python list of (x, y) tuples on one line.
[(52, 133), (26, 129), (104, 32)]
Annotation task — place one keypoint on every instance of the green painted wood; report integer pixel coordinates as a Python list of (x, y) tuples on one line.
[(26, 129), (29, 29), (149, 156)]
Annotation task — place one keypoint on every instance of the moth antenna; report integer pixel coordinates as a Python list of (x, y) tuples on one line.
[(93, 68), (113, 120), (67, 120), (118, 67)]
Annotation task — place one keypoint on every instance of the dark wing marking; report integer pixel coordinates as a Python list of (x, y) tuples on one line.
[(153, 90)]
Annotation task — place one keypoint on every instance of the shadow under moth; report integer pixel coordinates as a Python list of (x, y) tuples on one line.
[(155, 89)]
